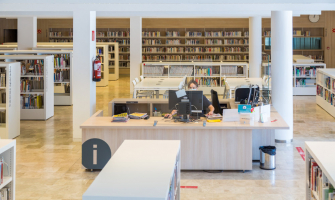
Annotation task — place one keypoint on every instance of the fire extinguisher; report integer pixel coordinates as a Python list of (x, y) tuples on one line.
[(97, 70)]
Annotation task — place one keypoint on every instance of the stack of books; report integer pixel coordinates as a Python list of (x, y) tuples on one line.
[(137, 115), (123, 117), (214, 116)]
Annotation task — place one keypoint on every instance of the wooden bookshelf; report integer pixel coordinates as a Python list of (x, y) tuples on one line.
[(209, 75), (63, 89), (60, 35), (112, 60), (102, 53), (45, 109), (9, 100)]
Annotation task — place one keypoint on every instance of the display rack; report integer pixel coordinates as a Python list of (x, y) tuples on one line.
[(304, 78), (325, 90), (209, 75), (320, 170), (112, 59), (9, 100), (195, 44), (35, 104), (306, 41), (8, 153), (102, 53), (63, 88)]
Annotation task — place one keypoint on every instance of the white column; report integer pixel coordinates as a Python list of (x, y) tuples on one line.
[(255, 46), (135, 49), (281, 64), (26, 33), (84, 93)]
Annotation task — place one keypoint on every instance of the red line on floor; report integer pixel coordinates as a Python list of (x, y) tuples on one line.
[(193, 187), (301, 152)]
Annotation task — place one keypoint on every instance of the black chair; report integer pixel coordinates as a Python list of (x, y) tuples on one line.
[(215, 102)]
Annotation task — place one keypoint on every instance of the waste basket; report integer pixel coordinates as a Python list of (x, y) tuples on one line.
[(267, 157)]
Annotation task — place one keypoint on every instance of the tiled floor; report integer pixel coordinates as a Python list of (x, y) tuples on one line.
[(49, 161)]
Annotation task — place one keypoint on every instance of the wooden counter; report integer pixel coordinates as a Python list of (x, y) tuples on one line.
[(217, 146)]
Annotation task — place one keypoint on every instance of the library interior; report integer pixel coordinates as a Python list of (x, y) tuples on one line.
[(94, 95)]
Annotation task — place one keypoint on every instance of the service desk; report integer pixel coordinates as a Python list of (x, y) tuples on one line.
[(216, 146)]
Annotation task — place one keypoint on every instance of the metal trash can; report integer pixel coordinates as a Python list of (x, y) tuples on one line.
[(267, 157)]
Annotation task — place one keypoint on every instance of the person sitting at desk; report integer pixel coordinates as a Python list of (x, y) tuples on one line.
[(193, 85)]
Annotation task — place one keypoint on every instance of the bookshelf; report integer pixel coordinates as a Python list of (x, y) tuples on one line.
[(60, 35), (8, 153), (102, 52), (37, 99), (120, 36), (306, 41), (195, 44), (209, 75), (325, 90), (320, 174), (132, 165), (112, 60), (304, 78), (63, 63), (9, 100)]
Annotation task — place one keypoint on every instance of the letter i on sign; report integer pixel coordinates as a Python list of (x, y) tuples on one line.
[(95, 154)]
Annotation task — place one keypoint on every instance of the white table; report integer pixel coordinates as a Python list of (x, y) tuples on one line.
[(232, 83), (140, 169), (157, 84)]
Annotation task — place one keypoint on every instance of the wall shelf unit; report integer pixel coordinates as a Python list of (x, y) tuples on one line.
[(325, 90), (38, 103), (102, 53), (60, 35), (63, 63), (8, 153), (209, 75), (9, 100), (320, 174)]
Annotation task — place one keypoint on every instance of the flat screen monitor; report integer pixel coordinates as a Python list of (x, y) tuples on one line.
[(194, 96), (243, 93)]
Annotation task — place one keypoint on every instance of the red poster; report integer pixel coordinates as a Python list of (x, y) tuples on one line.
[(333, 30)]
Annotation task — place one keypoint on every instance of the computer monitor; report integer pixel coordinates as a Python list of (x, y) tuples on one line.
[(242, 93), (195, 97)]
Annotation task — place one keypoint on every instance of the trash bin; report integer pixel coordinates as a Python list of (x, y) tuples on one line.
[(267, 157)]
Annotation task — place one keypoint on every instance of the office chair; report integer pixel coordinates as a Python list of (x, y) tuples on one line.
[(216, 103)]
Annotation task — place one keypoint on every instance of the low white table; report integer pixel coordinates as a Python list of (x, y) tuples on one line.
[(140, 169), (157, 84), (232, 83)]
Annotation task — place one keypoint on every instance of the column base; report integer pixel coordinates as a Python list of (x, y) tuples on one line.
[(284, 141)]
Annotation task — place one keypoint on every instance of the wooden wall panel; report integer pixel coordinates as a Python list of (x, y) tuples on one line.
[(328, 38), (195, 23), (6, 24), (299, 22), (113, 23)]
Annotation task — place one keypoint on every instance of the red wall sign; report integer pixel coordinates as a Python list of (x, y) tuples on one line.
[(39, 31), (333, 30), (93, 36)]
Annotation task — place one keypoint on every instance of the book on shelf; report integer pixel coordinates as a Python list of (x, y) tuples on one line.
[(2, 96), (207, 70), (31, 101), (61, 75), (151, 42), (192, 42), (30, 84), (208, 82), (151, 34), (267, 33), (32, 67), (123, 117), (233, 33), (319, 90), (61, 60), (172, 34), (194, 49), (118, 33), (193, 34), (214, 33), (3, 80), (296, 32), (3, 117), (213, 41), (176, 70), (173, 42)]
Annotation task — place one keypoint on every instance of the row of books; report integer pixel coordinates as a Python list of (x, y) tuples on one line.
[(171, 42), (120, 41), (163, 50), (161, 57), (193, 34), (2, 80), (153, 70), (195, 58), (232, 70), (61, 75), (305, 71), (174, 187), (329, 97), (99, 51), (208, 82), (101, 58), (192, 42), (124, 64), (319, 183), (2, 96), (123, 49), (111, 56), (307, 43), (31, 101), (151, 34), (61, 60), (327, 82), (61, 40), (55, 34), (181, 70), (32, 67), (2, 119), (124, 57), (151, 42), (319, 90), (29, 84), (213, 41), (172, 34), (207, 71), (302, 82), (118, 33), (316, 57)]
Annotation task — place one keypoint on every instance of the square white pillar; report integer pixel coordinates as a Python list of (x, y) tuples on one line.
[(26, 33), (84, 91), (281, 70), (135, 49), (255, 46)]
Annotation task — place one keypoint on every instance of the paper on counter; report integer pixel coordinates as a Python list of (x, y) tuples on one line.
[(230, 115)]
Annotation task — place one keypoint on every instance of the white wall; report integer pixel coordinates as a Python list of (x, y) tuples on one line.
[(26, 33), (135, 48)]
